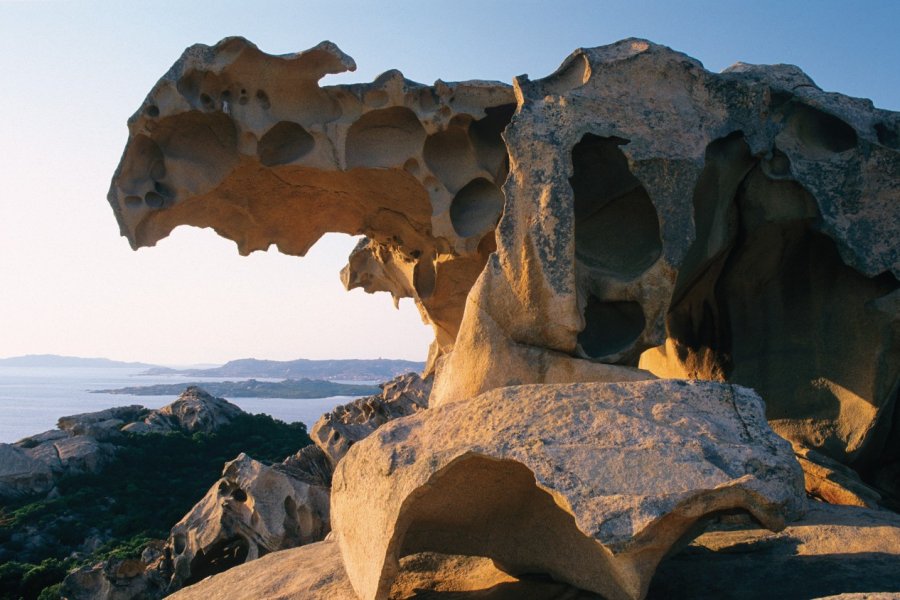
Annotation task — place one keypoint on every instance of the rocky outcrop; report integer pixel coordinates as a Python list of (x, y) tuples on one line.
[(251, 511), (249, 144), (592, 485), (103, 424), (21, 475), (833, 549), (195, 411), (335, 432), (85, 443)]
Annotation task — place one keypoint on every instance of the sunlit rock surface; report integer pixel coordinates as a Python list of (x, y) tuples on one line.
[(249, 144), (336, 431), (592, 485), (252, 510)]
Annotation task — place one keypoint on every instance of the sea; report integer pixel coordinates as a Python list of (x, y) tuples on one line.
[(32, 399)]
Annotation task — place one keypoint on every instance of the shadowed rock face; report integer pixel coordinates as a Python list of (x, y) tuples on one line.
[(249, 144)]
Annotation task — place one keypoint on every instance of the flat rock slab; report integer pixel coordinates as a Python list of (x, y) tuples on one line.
[(834, 551), (592, 484)]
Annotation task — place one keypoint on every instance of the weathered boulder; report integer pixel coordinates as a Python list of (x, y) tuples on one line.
[(345, 425), (21, 475), (195, 411), (75, 454), (249, 144), (592, 485), (145, 578), (252, 510), (102, 424), (833, 549)]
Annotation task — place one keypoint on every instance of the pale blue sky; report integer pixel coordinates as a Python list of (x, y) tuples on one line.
[(72, 73)]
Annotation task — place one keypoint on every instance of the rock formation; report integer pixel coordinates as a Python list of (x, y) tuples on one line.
[(250, 145), (335, 432), (655, 220), (592, 485), (738, 226), (252, 510), (195, 411), (699, 224)]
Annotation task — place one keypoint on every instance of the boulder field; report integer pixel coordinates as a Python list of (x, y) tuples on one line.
[(641, 276)]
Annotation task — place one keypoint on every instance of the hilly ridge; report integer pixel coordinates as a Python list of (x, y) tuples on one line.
[(379, 369)]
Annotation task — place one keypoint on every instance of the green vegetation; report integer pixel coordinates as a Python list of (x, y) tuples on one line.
[(251, 388), (153, 481)]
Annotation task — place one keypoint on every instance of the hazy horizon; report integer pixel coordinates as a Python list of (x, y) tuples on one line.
[(75, 71)]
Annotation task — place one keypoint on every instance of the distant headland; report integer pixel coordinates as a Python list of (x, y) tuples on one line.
[(378, 369)]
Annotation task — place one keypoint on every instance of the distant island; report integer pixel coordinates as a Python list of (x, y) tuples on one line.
[(251, 388), (55, 360), (379, 369)]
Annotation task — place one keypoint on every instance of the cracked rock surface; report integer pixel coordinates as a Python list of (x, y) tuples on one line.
[(592, 485)]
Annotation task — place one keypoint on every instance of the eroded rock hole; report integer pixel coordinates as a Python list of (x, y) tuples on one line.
[(163, 191), (450, 155), (143, 160), (284, 143), (384, 138), (573, 74), (485, 135), (616, 225), (424, 277), (819, 130), (154, 200), (219, 557), (263, 99), (611, 328), (476, 208), (206, 143), (492, 508), (153, 111)]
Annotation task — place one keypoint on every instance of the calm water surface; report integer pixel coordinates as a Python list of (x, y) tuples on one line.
[(33, 398)]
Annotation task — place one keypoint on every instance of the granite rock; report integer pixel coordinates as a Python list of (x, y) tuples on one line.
[(592, 485)]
